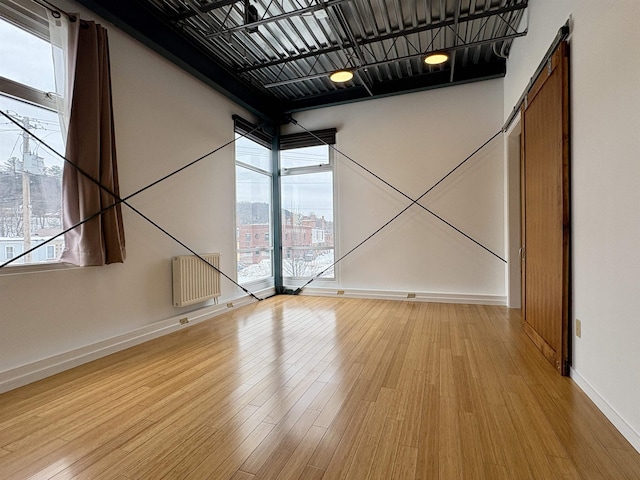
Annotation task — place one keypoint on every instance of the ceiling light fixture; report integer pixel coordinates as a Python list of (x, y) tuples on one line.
[(341, 76), (436, 58)]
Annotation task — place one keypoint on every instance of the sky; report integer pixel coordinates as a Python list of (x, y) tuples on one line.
[(305, 194), (27, 59)]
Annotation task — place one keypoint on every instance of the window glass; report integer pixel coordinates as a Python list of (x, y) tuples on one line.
[(253, 212), (25, 58), (251, 153), (305, 157), (30, 174), (307, 222)]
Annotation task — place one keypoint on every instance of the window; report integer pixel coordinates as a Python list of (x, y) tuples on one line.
[(30, 174), (307, 212), (8, 252), (305, 184), (253, 209), (304, 157)]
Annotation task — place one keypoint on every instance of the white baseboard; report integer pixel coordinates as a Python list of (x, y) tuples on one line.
[(32, 372), (627, 431), (462, 298)]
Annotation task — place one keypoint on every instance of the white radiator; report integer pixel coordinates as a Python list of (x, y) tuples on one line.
[(193, 280)]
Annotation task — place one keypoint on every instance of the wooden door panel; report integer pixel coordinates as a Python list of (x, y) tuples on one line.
[(545, 210)]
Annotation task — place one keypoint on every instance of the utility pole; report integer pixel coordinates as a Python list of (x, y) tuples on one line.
[(26, 190)]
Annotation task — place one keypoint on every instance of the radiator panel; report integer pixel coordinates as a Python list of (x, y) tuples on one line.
[(193, 280)]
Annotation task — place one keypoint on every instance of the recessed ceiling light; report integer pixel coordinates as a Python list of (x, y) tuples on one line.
[(436, 58), (341, 76)]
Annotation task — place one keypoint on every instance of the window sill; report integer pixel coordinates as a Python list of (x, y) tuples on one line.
[(35, 268)]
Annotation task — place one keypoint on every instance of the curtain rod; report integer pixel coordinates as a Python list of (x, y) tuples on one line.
[(55, 11)]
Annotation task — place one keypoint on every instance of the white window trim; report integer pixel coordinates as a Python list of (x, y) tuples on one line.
[(19, 269), (265, 282), (29, 16), (24, 93), (254, 168), (329, 166)]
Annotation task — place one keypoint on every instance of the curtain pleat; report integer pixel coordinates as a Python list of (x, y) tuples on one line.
[(91, 147)]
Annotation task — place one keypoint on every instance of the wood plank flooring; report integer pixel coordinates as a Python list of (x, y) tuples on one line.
[(315, 388)]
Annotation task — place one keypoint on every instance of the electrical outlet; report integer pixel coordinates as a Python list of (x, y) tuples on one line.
[(340, 292), (229, 304), (411, 295), (578, 328), (184, 321)]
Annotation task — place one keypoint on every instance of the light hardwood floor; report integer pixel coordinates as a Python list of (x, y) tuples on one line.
[(311, 388)]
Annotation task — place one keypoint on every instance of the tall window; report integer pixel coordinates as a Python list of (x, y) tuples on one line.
[(305, 184), (253, 211), (307, 212), (30, 174)]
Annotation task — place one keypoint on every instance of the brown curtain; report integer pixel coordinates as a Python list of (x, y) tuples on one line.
[(91, 146)]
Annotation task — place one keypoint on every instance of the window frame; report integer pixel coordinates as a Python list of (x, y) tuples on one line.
[(32, 18), (265, 282), (330, 166)]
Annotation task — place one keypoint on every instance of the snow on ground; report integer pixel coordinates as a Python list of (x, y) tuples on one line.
[(298, 267)]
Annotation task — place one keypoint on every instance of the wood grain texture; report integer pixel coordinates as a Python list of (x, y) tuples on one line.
[(546, 214), (316, 388)]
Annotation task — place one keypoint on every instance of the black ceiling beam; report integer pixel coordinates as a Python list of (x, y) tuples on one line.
[(427, 81), (275, 18), (344, 25), (148, 28), (403, 59), (337, 97), (401, 33), (202, 9), (323, 51), (293, 58), (456, 19), (485, 71), (445, 23)]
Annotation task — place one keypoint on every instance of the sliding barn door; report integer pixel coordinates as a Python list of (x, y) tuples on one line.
[(546, 220)]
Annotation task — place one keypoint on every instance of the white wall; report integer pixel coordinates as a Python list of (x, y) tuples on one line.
[(411, 141), (164, 118), (605, 109)]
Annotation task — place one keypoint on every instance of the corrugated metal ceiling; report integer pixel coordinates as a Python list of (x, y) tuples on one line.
[(279, 59)]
